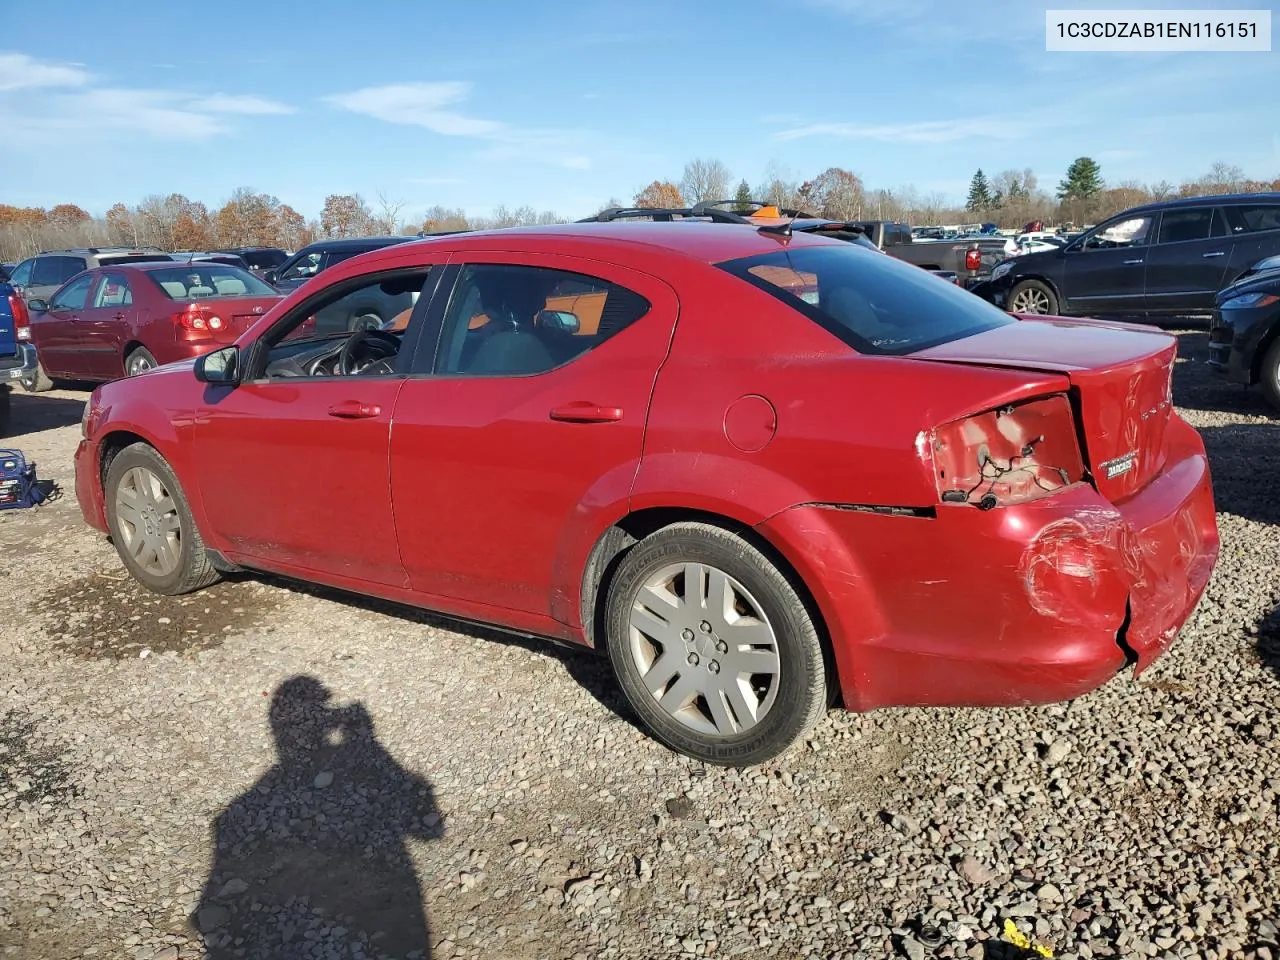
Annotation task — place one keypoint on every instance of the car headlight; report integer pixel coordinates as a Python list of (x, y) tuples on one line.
[(1250, 300), (1001, 269)]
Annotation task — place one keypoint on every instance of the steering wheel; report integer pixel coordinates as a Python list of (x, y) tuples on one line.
[(388, 344)]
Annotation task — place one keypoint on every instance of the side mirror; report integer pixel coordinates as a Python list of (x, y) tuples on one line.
[(559, 321), (38, 306), (220, 367)]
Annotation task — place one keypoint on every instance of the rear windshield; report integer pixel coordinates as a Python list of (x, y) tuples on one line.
[(873, 302), (198, 279), (116, 258)]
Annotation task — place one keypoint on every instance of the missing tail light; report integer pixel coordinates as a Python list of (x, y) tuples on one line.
[(21, 316), (1009, 455), (198, 322), (973, 259)]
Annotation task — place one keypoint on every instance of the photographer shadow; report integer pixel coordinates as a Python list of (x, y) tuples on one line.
[(313, 859)]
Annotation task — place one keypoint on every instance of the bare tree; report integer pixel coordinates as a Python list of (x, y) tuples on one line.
[(705, 180), (388, 219)]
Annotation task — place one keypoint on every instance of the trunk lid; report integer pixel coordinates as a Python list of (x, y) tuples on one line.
[(237, 313), (1121, 381)]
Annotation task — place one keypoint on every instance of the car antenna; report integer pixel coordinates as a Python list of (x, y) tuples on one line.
[(782, 230)]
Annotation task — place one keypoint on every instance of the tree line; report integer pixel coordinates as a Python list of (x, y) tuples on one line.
[(1009, 198)]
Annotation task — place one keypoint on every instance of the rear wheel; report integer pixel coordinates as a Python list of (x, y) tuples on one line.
[(37, 382), (712, 646), (151, 524), (364, 321), (1032, 296), (1269, 375), (139, 361)]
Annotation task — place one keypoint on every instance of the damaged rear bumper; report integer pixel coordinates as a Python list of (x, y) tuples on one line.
[(1035, 603)]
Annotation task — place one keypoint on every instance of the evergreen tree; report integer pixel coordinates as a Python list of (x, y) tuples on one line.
[(1082, 182), (979, 192), (742, 198)]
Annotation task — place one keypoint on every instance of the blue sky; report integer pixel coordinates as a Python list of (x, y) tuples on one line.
[(562, 105)]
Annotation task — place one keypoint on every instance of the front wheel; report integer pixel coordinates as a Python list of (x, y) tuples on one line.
[(151, 524), (1269, 375), (1033, 296), (712, 646)]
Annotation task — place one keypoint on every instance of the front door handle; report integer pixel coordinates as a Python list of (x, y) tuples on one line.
[(118, 316), (584, 411), (1133, 261), (1220, 253), (354, 410)]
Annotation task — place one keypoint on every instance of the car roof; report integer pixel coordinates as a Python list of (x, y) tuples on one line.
[(699, 240), (1224, 199), (345, 242)]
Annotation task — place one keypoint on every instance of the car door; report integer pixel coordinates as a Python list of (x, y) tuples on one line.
[(1186, 264), (298, 269), (293, 467), (532, 414), (57, 332), (103, 327), (1104, 272)]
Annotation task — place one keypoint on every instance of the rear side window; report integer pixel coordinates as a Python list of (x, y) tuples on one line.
[(263, 259), (55, 271), (872, 302), (1177, 226), (114, 291), (22, 273), (1247, 218)]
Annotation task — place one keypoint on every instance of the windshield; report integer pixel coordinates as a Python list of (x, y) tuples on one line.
[(202, 278), (873, 302)]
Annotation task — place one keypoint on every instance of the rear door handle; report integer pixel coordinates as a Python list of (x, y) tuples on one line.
[(583, 411), (118, 316), (1220, 253), (354, 410), (1133, 261)]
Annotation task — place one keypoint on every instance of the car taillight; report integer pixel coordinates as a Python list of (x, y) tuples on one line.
[(973, 259), (197, 321), (1009, 455), (21, 316)]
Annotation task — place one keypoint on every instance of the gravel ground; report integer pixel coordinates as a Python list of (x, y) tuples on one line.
[(267, 770)]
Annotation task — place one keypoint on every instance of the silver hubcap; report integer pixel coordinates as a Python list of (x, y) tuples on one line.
[(704, 648), (148, 520), (366, 321), (1030, 301), (138, 363)]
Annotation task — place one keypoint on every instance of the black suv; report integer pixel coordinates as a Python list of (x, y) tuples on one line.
[(1158, 260), (321, 255), (39, 276), (258, 259)]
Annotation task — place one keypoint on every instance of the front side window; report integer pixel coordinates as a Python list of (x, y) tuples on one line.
[(113, 292), (74, 295), (1177, 226), (507, 319), (1130, 232), (874, 303), (54, 271), (307, 265)]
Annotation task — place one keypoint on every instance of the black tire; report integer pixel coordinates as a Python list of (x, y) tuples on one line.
[(1033, 293), (1269, 374), (193, 570), (6, 411), (801, 696), (138, 361), (363, 320), (38, 382)]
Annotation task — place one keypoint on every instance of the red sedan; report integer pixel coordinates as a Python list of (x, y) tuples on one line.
[(123, 319), (764, 472)]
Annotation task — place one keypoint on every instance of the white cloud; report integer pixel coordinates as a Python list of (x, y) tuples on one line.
[(929, 131), (21, 72), (60, 98), (425, 105), (419, 105), (245, 104)]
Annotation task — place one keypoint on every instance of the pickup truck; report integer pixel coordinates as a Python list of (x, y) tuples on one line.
[(17, 356), (972, 259)]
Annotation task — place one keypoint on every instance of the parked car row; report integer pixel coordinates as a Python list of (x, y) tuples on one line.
[(762, 468)]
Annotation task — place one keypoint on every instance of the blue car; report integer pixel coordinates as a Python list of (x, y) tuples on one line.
[(17, 355)]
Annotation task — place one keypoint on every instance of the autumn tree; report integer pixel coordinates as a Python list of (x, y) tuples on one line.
[(835, 193), (122, 226), (68, 214), (660, 193), (439, 219), (291, 230), (345, 215), (704, 180), (249, 219)]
